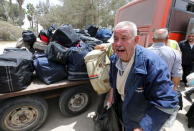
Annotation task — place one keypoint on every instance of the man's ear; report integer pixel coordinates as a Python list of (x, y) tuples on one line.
[(137, 38)]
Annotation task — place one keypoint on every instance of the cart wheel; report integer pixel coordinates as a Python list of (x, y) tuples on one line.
[(75, 101), (23, 114)]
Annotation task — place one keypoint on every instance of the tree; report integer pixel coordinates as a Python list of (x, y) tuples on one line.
[(30, 14), (14, 14), (3, 10), (10, 12), (21, 12), (20, 2), (82, 12)]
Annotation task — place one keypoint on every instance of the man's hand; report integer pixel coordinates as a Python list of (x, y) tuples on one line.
[(138, 129), (101, 47)]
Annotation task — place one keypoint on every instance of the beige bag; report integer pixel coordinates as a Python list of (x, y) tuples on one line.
[(98, 65)]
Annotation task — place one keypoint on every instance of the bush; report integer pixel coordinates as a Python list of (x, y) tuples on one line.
[(9, 31)]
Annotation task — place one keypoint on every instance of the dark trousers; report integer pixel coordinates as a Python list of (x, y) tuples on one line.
[(186, 71)]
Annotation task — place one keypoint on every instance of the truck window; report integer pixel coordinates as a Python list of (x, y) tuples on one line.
[(141, 7), (180, 4), (181, 12), (186, 5)]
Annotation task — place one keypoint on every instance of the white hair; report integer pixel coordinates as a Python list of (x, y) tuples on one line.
[(192, 31), (130, 24), (161, 34)]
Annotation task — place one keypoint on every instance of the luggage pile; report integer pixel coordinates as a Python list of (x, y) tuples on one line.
[(59, 55)]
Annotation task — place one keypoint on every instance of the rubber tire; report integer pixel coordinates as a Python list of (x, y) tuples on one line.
[(66, 97), (36, 102)]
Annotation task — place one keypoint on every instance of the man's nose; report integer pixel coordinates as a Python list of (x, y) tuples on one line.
[(118, 43)]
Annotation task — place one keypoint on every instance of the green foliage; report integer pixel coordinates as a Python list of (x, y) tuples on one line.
[(9, 31), (11, 13), (30, 12), (82, 12)]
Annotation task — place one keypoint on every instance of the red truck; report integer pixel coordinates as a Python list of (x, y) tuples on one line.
[(176, 15)]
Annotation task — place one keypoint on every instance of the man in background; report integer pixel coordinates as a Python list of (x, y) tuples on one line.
[(187, 50), (171, 56)]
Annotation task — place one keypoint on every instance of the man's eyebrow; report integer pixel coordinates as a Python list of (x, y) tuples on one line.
[(125, 35)]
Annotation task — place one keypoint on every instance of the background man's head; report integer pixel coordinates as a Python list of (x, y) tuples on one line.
[(190, 36), (125, 39), (160, 35)]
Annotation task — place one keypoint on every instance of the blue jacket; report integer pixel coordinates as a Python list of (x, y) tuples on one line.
[(149, 94)]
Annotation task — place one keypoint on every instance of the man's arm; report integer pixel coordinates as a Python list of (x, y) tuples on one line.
[(162, 98), (177, 70), (176, 81)]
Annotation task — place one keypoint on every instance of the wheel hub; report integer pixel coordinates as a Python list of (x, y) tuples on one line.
[(78, 102), (21, 118)]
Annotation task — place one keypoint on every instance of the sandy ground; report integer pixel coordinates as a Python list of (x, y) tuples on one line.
[(57, 122), (181, 121), (4, 44)]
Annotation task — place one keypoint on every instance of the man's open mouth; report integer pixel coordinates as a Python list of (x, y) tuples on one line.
[(120, 50)]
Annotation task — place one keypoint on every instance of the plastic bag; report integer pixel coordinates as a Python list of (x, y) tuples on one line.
[(190, 80), (107, 120)]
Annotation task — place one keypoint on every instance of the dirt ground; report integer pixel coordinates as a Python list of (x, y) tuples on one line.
[(83, 122)]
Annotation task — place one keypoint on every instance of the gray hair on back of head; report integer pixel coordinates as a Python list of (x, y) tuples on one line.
[(130, 24), (161, 34), (192, 31)]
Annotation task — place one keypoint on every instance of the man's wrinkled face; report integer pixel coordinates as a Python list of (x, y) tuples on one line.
[(123, 44), (191, 38)]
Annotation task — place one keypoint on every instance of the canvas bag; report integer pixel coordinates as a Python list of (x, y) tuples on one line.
[(98, 65)]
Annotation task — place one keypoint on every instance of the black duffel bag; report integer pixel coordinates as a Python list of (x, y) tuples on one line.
[(16, 70), (92, 30), (91, 41), (66, 36), (57, 53), (76, 65), (28, 36), (48, 71)]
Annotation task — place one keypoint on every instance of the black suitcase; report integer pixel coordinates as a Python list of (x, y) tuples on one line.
[(76, 65), (48, 71), (66, 36), (57, 53), (16, 70)]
